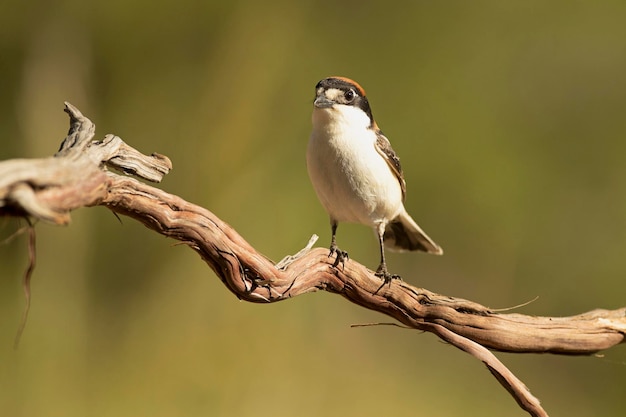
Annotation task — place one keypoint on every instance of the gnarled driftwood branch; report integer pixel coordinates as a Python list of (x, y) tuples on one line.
[(77, 176)]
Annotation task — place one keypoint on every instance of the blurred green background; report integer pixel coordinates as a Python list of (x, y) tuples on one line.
[(509, 117)]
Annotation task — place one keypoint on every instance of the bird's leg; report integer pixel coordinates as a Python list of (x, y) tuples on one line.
[(382, 268), (342, 255)]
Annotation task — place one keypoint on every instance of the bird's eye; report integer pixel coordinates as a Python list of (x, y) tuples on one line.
[(349, 95)]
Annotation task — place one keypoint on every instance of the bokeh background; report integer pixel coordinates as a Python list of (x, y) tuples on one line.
[(509, 117)]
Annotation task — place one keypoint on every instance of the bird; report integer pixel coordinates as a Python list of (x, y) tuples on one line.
[(356, 174)]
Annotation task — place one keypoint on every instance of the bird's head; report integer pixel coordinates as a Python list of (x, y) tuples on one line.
[(340, 98)]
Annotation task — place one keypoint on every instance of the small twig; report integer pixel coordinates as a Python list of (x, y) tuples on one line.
[(32, 258), (289, 259), (15, 234), (499, 310), (381, 324)]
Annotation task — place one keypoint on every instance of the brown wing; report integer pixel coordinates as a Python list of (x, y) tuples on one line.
[(384, 148)]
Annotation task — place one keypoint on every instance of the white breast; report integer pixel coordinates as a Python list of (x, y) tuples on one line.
[(351, 179)]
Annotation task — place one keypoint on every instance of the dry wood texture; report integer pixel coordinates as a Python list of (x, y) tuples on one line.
[(77, 176)]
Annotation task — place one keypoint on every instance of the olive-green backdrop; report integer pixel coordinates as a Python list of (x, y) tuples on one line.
[(510, 121)]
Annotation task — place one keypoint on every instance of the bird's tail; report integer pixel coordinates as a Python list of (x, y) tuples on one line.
[(403, 234)]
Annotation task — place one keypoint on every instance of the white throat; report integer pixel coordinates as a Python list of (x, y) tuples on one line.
[(340, 119)]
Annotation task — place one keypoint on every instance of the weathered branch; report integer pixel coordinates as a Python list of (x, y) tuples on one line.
[(77, 176)]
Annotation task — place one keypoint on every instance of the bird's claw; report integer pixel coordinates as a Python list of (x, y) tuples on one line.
[(382, 272), (341, 256)]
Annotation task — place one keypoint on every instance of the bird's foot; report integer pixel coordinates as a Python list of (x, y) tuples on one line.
[(382, 272), (341, 256)]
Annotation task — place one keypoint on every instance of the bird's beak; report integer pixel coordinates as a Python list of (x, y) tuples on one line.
[(321, 102)]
